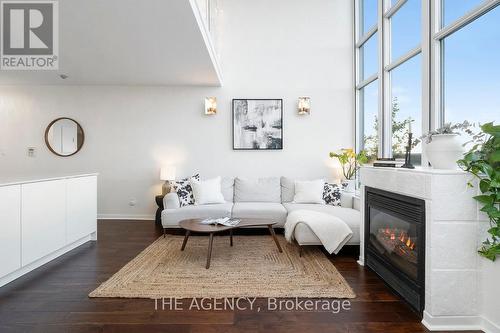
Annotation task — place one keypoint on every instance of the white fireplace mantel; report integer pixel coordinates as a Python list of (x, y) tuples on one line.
[(454, 230)]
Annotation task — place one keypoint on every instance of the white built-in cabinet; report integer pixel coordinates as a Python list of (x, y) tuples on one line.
[(42, 219), (10, 229)]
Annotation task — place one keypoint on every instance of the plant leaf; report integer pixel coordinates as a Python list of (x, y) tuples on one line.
[(484, 185), (484, 199)]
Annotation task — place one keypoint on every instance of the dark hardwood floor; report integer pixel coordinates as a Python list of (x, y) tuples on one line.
[(54, 298)]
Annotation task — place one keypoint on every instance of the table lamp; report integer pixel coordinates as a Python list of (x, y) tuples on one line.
[(167, 174)]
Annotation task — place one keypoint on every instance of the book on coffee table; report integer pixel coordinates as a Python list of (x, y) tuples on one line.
[(226, 221)]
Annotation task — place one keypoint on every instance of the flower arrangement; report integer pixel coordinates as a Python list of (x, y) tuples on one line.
[(350, 161)]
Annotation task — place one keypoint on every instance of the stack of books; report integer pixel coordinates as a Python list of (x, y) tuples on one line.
[(388, 162)]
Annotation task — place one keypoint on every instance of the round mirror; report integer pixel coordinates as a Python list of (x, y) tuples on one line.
[(64, 137)]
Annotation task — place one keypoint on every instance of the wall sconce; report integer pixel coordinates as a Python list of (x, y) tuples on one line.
[(304, 105), (210, 105)]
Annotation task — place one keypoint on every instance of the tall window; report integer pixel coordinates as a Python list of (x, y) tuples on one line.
[(366, 78), (405, 76), (385, 117), (470, 63), (368, 96), (439, 63)]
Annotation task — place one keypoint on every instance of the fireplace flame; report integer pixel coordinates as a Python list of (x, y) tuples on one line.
[(397, 235)]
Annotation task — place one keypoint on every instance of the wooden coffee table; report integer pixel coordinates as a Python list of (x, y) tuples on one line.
[(194, 225)]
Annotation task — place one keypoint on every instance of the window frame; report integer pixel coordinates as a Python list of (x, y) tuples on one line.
[(439, 34), (432, 71), (359, 41), (385, 12)]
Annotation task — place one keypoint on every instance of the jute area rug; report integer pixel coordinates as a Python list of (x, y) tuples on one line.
[(253, 267)]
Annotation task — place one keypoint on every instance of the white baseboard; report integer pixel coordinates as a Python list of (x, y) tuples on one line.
[(140, 217), (459, 323), (42, 261), (490, 327)]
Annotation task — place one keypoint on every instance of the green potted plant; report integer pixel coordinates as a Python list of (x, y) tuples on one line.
[(350, 163), (483, 161)]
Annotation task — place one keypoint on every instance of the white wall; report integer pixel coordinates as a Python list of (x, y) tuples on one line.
[(269, 49)]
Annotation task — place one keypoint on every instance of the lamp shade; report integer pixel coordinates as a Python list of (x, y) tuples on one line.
[(167, 173)]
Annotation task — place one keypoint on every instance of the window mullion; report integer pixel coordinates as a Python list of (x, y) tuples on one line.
[(366, 82), (403, 58), (426, 71), (392, 10), (366, 37), (385, 128), (466, 19)]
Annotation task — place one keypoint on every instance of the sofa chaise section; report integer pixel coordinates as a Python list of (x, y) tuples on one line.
[(305, 236)]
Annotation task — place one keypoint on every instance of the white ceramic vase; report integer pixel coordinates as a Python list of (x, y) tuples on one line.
[(444, 151), (349, 185)]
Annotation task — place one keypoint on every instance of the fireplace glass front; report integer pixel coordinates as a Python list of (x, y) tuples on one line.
[(395, 240)]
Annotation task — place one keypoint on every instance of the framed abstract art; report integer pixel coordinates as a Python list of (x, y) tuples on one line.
[(257, 124)]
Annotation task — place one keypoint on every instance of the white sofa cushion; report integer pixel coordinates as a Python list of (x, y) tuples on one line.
[(172, 217), (309, 191), (287, 189), (257, 190), (207, 191), (227, 187), (350, 216), (261, 210)]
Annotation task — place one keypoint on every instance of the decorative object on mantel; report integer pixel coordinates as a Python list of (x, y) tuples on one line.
[(483, 161), (443, 148), (388, 162), (350, 163), (257, 124), (407, 164), (210, 105), (304, 106), (167, 174)]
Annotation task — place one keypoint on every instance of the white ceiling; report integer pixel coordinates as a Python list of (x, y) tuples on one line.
[(128, 42)]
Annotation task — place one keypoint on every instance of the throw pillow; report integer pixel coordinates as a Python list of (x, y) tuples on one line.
[(309, 191), (331, 194), (257, 190), (207, 191), (184, 190)]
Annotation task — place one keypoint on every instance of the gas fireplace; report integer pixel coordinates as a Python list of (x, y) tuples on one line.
[(394, 242)]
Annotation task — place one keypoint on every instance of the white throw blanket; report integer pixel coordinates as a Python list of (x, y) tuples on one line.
[(331, 231)]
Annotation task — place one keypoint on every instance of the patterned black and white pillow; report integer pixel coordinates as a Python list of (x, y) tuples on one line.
[(331, 194), (184, 190)]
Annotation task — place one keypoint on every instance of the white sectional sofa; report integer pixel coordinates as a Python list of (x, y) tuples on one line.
[(269, 198)]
